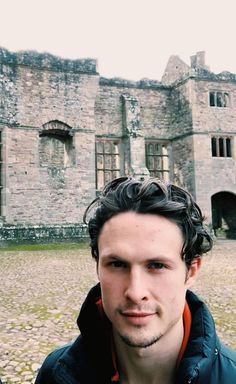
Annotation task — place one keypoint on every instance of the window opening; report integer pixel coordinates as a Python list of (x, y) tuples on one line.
[(107, 162), (56, 149), (213, 146), (157, 160), (212, 99), (219, 99), (221, 146), (228, 147)]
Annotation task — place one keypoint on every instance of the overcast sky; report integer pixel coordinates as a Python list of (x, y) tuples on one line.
[(132, 39)]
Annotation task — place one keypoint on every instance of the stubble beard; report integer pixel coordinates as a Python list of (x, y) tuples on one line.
[(139, 344)]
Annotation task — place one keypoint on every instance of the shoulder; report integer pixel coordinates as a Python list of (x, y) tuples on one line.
[(56, 361), (46, 371), (228, 355), (224, 370)]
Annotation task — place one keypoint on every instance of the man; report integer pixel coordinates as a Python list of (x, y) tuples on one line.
[(141, 324)]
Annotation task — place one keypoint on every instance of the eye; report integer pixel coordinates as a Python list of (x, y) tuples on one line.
[(117, 264), (156, 265)]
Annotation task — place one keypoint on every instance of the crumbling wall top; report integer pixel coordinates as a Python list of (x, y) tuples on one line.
[(222, 76), (47, 61), (177, 71), (143, 83)]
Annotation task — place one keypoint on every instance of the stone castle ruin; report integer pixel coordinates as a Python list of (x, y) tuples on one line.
[(65, 131)]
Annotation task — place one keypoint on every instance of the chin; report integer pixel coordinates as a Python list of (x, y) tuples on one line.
[(140, 343)]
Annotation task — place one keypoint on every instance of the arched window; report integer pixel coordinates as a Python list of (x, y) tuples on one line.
[(56, 146)]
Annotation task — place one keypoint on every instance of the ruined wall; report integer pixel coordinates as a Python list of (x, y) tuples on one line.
[(133, 112), (175, 70), (153, 102), (44, 96), (183, 163), (205, 175), (212, 174), (181, 120), (8, 98), (49, 135), (213, 119), (181, 136), (194, 166)]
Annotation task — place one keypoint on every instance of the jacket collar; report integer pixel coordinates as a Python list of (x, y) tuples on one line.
[(96, 333), (202, 346)]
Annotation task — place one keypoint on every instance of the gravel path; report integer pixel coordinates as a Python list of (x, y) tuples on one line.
[(41, 293)]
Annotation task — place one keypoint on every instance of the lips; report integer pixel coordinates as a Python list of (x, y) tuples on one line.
[(136, 314), (137, 318)]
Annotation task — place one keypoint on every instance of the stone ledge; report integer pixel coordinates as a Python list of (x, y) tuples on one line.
[(41, 234)]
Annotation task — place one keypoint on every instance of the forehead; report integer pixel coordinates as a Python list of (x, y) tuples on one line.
[(140, 231), (146, 221)]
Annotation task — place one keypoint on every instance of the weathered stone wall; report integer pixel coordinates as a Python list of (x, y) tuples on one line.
[(180, 133), (42, 194), (183, 163), (181, 122), (8, 98), (212, 174), (153, 102), (213, 119), (39, 96), (133, 112), (175, 70), (44, 96)]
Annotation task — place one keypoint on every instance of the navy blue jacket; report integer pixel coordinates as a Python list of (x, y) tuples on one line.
[(88, 360)]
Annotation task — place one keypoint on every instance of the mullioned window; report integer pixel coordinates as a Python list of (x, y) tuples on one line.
[(219, 99), (157, 160), (221, 146), (107, 161)]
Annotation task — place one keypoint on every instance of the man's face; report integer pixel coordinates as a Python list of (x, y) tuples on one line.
[(143, 277)]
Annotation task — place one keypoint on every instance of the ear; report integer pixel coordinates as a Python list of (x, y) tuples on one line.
[(193, 271)]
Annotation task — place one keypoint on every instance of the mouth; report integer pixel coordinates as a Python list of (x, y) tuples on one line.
[(136, 314), (137, 318)]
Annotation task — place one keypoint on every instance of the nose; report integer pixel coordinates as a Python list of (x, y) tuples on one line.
[(135, 289)]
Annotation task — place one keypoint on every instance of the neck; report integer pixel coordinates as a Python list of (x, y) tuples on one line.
[(155, 364)]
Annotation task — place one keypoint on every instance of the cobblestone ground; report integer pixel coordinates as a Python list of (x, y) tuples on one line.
[(41, 293)]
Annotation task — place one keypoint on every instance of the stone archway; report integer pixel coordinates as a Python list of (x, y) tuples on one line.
[(224, 214)]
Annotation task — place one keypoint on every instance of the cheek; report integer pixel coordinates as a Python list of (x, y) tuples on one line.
[(111, 298), (112, 294), (172, 289), (109, 286)]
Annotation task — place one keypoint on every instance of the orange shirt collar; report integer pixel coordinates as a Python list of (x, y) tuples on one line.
[(187, 319)]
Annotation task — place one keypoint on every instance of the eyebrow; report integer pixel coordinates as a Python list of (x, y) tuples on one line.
[(160, 259)]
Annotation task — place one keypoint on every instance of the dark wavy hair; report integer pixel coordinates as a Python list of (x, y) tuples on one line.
[(151, 196)]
